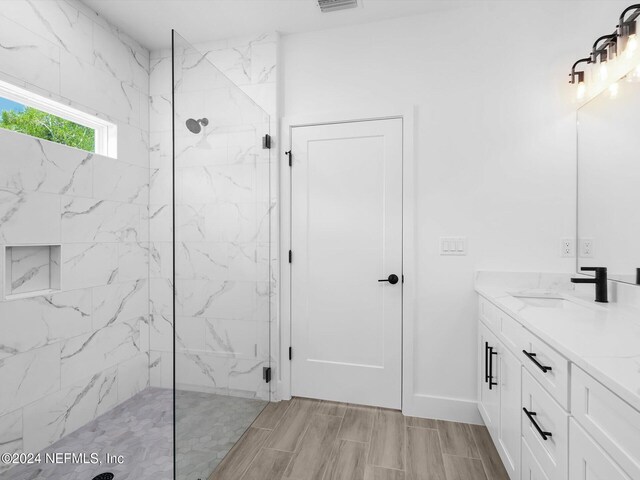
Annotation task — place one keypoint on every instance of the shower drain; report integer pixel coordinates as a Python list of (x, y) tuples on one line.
[(104, 476)]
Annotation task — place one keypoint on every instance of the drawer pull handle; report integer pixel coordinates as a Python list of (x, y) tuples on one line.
[(532, 357), (542, 433), (491, 382), (486, 362)]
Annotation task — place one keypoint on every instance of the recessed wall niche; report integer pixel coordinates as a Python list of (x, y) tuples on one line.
[(31, 270)]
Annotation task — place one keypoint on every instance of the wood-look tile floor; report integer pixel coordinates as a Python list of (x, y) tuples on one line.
[(305, 439)]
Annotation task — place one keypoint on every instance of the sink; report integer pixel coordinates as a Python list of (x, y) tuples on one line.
[(543, 302), (539, 298)]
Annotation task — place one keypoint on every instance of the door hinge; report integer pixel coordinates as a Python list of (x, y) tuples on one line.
[(266, 374), (290, 157), (266, 142), (290, 256), (290, 353)]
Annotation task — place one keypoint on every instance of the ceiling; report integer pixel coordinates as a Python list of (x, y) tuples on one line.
[(150, 21)]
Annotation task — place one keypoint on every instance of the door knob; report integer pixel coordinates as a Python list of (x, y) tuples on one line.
[(392, 279)]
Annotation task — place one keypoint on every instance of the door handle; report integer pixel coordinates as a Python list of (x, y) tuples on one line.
[(392, 279), (486, 362), (491, 354)]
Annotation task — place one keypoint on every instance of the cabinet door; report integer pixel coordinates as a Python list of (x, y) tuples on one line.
[(587, 460), (510, 388), (489, 395)]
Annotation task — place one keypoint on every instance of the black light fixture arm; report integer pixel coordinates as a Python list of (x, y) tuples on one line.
[(609, 37), (601, 49), (632, 17), (579, 75), (627, 25)]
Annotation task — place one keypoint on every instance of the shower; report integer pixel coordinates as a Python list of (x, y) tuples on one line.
[(195, 126), (222, 214)]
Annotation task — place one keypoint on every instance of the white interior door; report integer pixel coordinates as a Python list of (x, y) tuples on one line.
[(346, 236)]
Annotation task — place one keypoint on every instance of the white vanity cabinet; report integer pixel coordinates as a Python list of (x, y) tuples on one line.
[(548, 419), (488, 393), (589, 461), (510, 383), (499, 391), (531, 468)]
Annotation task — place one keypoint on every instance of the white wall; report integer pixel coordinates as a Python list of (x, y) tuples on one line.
[(495, 150)]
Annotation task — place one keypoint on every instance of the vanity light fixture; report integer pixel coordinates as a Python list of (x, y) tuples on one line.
[(577, 78), (604, 49), (627, 29), (614, 56)]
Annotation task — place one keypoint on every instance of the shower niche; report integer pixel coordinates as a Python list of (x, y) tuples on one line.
[(31, 270)]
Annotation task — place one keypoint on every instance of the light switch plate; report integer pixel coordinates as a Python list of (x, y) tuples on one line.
[(567, 247), (453, 245)]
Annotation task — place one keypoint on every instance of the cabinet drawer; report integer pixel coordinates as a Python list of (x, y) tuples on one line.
[(510, 332), (547, 366), (588, 461), (611, 421), (546, 431), (488, 312), (531, 469)]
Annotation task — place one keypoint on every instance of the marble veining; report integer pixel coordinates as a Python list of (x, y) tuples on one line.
[(30, 269), (602, 339), (70, 356)]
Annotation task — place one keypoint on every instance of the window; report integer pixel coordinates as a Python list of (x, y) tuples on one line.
[(40, 117)]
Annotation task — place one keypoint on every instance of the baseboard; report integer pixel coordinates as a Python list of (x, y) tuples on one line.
[(443, 408)]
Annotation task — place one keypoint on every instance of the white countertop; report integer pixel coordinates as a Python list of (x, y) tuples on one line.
[(602, 339)]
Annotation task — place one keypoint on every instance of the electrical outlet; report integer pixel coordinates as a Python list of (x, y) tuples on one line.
[(567, 248), (586, 247)]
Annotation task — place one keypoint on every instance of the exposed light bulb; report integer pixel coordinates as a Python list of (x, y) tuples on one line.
[(581, 91), (613, 90), (632, 45), (604, 72)]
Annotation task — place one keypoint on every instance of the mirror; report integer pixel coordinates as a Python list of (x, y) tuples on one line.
[(609, 182)]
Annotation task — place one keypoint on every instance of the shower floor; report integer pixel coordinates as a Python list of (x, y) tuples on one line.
[(141, 429), (208, 426)]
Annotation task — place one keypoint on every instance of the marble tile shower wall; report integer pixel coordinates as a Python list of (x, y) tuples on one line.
[(68, 357), (223, 205)]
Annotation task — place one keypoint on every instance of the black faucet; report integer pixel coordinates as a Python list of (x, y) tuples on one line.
[(600, 280)]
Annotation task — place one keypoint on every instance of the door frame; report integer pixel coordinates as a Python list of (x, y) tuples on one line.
[(407, 115)]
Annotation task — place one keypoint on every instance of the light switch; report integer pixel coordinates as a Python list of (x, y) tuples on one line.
[(453, 245)]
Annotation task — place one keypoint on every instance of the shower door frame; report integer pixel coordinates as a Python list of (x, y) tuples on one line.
[(406, 114)]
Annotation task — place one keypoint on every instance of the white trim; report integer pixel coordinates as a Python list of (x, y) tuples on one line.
[(408, 225), (444, 408), (105, 132)]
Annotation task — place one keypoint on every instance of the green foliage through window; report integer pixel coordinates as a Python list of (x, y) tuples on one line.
[(37, 123)]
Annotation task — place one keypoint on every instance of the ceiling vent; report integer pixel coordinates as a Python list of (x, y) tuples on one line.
[(335, 5)]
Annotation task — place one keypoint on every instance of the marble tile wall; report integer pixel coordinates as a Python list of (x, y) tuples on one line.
[(225, 205), (69, 356)]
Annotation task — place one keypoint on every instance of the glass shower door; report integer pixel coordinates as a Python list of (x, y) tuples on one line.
[(221, 261)]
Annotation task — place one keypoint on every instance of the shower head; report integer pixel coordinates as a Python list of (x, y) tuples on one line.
[(195, 126)]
